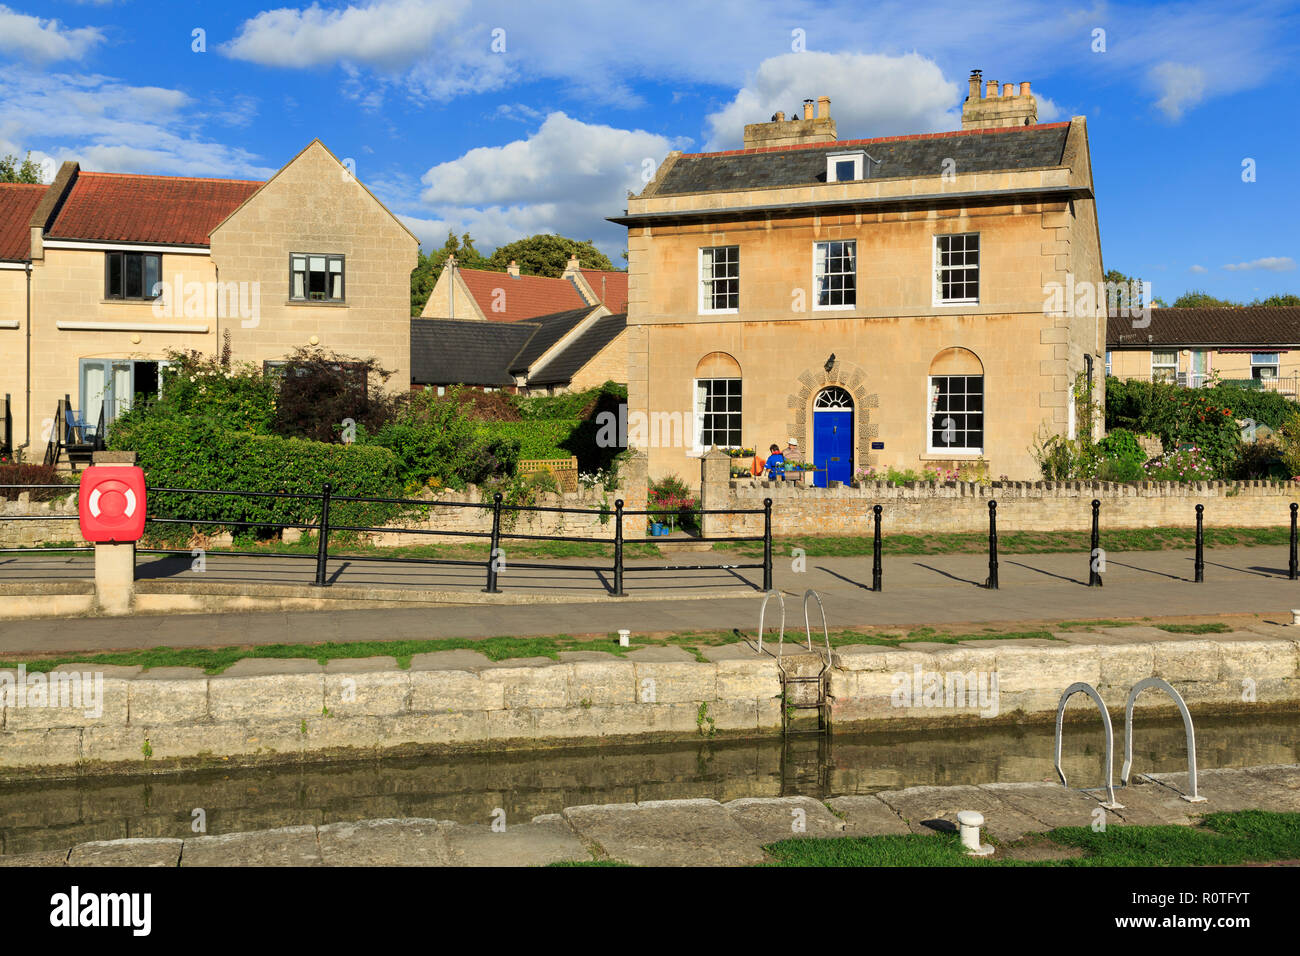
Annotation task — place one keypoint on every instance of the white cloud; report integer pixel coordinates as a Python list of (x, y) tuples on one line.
[(43, 41), (871, 95), (1268, 263), (112, 126), (566, 178), (1181, 87), (388, 34), (1198, 270)]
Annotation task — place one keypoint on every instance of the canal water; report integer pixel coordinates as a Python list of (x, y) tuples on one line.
[(468, 788)]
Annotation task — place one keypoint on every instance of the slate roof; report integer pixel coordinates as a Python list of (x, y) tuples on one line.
[(473, 352), (564, 366), (1241, 327), (1017, 147), (550, 329), (17, 203), (171, 210), (526, 297), (465, 351)]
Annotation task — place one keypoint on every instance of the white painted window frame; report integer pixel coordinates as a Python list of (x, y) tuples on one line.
[(937, 295), (699, 272), (930, 413), (816, 296)]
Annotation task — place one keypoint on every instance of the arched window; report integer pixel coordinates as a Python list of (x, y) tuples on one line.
[(955, 417), (717, 401)]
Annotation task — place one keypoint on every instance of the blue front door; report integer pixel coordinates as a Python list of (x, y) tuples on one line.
[(832, 445)]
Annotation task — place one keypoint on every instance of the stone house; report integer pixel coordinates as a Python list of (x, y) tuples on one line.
[(102, 274), (876, 302), (481, 295), (1188, 346)]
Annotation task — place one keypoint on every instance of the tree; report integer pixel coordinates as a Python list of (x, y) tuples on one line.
[(547, 255), (11, 171), (1287, 301), (1123, 286), (429, 267), (1199, 299)]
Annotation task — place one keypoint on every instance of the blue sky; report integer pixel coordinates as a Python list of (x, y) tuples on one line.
[(508, 118)]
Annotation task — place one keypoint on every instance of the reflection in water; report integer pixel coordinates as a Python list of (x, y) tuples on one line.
[(467, 788)]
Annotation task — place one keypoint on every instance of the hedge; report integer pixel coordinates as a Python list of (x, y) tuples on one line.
[(548, 439), (196, 453)]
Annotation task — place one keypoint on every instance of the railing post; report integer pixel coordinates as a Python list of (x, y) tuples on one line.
[(1200, 544), (767, 544), (1094, 552), (876, 570), (494, 547), (992, 582), (1293, 569), (323, 542), (618, 548)]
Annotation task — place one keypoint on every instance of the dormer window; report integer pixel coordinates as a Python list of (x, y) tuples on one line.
[(847, 167)]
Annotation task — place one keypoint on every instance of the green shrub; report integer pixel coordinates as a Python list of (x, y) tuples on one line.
[(235, 397), (198, 453), (572, 405), (1120, 457), (1203, 417), (433, 438)]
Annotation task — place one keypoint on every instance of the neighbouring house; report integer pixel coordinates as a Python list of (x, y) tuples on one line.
[(102, 274), (567, 351), (508, 296), (1252, 344), (876, 302)]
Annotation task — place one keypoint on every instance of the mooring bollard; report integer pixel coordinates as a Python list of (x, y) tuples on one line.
[(992, 582), (876, 570), (1094, 570), (968, 825), (1293, 569), (1200, 544)]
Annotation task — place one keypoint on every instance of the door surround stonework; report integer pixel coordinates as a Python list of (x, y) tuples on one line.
[(850, 377)]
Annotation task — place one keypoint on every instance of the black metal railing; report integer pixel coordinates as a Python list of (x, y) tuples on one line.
[(325, 527)]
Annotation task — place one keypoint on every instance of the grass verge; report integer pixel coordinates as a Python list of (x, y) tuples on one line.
[(1221, 839)]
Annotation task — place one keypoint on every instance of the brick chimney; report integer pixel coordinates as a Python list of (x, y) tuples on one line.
[(991, 111), (816, 126)]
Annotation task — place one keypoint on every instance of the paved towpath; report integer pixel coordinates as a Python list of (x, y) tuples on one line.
[(933, 590), (698, 832)]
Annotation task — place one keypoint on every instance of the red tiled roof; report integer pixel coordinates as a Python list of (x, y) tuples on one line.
[(526, 297), (17, 203), (879, 139), (610, 288), (123, 207)]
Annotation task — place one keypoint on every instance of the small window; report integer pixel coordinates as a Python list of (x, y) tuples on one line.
[(314, 277), (717, 402), (1264, 364), (847, 167), (835, 274), (957, 268), (720, 279), (1108, 363), (132, 275), (1164, 366), (956, 414)]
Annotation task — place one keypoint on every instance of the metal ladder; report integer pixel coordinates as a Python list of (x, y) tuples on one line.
[(801, 689), (1086, 688)]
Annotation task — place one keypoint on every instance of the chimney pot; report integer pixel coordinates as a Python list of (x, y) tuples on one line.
[(1024, 89), (992, 89), (823, 107), (779, 117), (1008, 89), (974, 93), (807, 109)]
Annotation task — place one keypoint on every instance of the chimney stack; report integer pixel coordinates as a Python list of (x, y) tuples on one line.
[(513, 269), (992, 111), (816, 126), (572, 266)]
